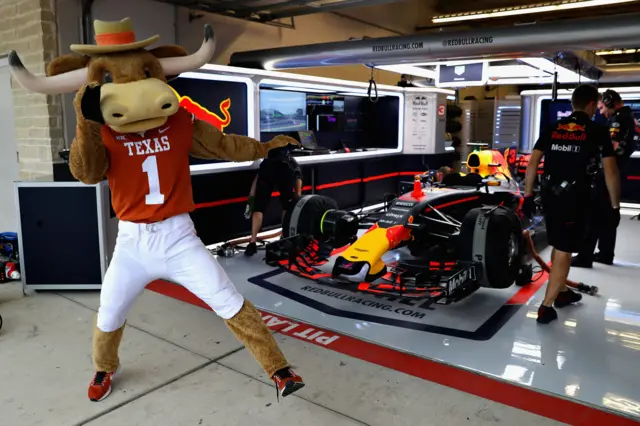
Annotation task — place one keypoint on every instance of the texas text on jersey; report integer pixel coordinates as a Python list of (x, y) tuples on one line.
[(573, 147), (625, 133), (149, 173)]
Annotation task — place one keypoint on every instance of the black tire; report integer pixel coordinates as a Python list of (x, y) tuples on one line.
[(454, 111), (453, 127), (500, 253), (524, 276), (312, 208)]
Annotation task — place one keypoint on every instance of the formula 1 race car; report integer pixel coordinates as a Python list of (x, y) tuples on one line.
[(443, 241)]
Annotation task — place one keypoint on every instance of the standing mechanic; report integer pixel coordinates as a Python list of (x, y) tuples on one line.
[(279, 170), (624, 131), (572, 149)]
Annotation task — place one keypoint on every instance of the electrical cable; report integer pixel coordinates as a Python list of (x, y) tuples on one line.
[(373, 85)]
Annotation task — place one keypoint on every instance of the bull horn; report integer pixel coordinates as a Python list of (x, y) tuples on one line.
[(68, 82), (176, 66)]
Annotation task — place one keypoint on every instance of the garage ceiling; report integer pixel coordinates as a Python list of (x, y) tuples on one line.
[(269, 10)]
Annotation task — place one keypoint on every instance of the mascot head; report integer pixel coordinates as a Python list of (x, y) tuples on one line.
[(128, 87)]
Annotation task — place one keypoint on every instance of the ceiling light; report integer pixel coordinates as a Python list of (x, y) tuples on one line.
[(617, 52), (410, 70), (302, 89), (525, 10)]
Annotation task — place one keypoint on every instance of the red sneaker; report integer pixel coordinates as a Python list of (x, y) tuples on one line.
[(100, 386), (287, 382)]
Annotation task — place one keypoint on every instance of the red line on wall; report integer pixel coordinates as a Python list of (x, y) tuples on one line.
[(511, 394), (633, 177), (308, 188)]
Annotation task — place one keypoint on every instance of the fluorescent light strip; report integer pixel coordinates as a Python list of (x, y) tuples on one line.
[(470, 16), (409, 69), (285, 78), (301, 89)]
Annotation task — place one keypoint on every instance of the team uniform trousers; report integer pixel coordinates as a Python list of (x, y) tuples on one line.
[(168, 250)]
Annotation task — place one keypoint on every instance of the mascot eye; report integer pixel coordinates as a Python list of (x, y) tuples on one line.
[(107, 77), (147, 73)]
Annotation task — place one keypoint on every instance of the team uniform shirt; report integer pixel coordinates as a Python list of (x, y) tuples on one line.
[(573, 148), (625, 133), (149, 172)]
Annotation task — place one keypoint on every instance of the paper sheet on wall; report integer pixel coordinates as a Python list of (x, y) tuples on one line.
[(419, 123)]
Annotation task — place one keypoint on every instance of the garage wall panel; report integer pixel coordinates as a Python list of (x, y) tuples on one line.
[(235, 35), (29, 27)]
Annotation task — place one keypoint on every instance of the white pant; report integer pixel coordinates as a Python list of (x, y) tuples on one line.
[(167, 250)]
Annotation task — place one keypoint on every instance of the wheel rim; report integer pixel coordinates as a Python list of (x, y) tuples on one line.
[(513, 249)]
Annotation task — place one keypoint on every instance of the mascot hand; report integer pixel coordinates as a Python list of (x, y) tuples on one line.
[(87, 103), (280, 141)]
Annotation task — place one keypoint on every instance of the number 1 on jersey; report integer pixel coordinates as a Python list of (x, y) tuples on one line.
[(150, 167)]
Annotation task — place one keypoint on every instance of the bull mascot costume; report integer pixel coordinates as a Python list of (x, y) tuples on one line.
[(132, 131)]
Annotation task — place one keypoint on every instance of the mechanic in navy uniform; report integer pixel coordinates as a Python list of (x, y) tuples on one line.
[(623, 129), (278, 171), (573, 149)]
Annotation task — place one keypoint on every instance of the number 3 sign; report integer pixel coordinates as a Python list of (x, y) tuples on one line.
[(441, 110)]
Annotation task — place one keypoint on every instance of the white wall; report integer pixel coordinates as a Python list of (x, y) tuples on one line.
[(9, 169)]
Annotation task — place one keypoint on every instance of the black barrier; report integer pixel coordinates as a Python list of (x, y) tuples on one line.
[(223, 104)]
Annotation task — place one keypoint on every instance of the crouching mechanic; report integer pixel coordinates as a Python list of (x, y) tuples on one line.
[(572, 149), (132, 130), (624, 132), (279, 171)]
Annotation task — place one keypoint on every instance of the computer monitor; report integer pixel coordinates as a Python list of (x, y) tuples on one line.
[(282, 111), (308, 139)]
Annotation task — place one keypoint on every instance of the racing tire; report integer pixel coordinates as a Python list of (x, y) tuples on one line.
[(491, 236), (453, 127), (305, 216), (454, 111), (524, 276)]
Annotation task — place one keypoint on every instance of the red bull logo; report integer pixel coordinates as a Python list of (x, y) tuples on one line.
[(571, 127), (204, 114)]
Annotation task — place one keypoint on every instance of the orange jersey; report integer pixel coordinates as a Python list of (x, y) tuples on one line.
[(149, 173)]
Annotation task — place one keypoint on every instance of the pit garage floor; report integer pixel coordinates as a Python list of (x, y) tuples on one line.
[(366, 360)]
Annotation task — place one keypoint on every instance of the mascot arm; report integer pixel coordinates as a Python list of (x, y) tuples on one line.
[(88, 158), (210, 143)]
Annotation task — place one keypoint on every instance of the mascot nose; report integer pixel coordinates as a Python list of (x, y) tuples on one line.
[(166, 102)]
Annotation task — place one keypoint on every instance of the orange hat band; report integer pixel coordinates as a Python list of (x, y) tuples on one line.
[(112, 39)]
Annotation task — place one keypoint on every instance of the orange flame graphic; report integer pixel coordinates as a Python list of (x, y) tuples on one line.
[(204, 114)]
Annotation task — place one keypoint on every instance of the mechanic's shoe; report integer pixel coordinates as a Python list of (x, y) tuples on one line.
[(100, 386), (251, 249), (566, 298), (606, 260), (287, 382), (577, 262), (546, 314)]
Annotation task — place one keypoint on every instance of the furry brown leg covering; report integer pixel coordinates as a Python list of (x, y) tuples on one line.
[(105, 349), (248, 326)]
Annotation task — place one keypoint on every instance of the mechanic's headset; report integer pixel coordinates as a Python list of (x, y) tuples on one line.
[(610, 98)]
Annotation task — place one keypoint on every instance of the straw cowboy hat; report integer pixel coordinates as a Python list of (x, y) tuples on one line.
[(112, 37)]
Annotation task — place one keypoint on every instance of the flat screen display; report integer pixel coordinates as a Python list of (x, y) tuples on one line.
[(282, 111), (338, 106), (307, 139)]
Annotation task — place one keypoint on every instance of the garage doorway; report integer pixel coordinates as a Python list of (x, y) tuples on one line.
[(9, 171)]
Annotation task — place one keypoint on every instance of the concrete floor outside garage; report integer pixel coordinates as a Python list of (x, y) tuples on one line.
[(181, 366)]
